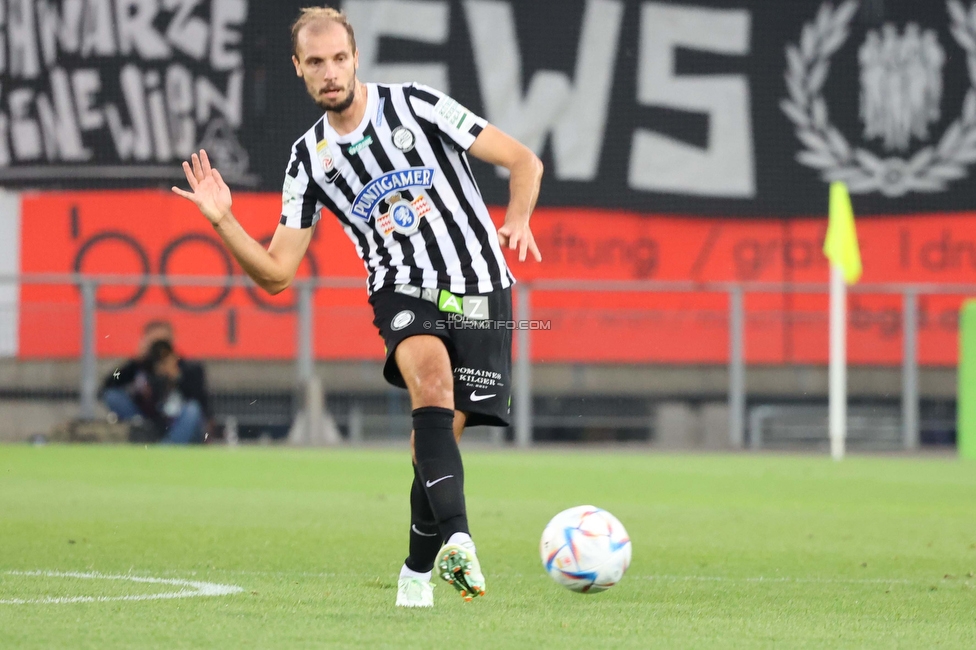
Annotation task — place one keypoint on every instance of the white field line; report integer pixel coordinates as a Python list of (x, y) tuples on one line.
[(850, 581), (213, 589), (190, 588), (541, 574)]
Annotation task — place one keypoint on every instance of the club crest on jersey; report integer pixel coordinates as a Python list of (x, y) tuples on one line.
[(403, 215), (404, 139), (383, 186)]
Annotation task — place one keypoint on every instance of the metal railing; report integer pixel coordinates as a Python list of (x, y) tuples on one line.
[(735, 292)]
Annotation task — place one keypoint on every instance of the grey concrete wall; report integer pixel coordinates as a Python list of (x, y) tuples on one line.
[(705, 382), (691, 414), (680, 382), (22, 419), (684, 425)]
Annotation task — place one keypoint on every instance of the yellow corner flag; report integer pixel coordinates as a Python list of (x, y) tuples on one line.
[(840, 246)]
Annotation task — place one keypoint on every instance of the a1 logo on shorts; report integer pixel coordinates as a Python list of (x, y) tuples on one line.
[(401, 320)]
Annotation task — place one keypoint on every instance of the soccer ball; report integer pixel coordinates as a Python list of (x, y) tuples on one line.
[(585, 549)]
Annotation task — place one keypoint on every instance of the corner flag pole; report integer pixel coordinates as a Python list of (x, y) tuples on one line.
[(838, 363), (842, 250)]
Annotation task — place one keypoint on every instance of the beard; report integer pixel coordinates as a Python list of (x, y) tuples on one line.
[(337, 105)]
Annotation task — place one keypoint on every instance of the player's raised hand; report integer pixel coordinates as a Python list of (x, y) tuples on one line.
[(207, 188), (518, 236)]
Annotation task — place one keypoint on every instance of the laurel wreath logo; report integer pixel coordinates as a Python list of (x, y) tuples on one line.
[(929, 170)]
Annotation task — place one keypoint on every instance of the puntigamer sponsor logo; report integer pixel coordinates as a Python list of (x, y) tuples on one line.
[(379, 188)]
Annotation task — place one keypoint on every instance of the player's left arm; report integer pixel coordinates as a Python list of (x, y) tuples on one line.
[(500, 149), (482, 140)]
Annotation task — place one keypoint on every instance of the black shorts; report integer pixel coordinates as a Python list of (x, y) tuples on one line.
[(480, 346)]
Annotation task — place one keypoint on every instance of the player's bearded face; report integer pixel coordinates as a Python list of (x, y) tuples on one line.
[(328, 65), (333, 95)]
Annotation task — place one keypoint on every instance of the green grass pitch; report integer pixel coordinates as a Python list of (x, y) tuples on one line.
[(728, 551)]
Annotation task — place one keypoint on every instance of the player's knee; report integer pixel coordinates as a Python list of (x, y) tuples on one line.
[(434, 389)]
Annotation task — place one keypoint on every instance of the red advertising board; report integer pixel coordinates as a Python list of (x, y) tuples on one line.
[(781, 328), (150, 232), (136, 233)]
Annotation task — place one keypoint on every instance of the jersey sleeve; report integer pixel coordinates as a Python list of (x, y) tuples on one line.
[(453, 120), (300, 207)]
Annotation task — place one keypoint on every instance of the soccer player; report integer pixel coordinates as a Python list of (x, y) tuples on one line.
[(389, 161)]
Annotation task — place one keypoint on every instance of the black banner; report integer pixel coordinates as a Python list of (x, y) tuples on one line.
[(115, 93), (703, 107)]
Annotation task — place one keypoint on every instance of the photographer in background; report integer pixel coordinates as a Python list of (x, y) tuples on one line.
[(162, 396)]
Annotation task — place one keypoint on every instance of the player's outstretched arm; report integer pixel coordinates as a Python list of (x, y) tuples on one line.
[(272, 269), (497, 148)]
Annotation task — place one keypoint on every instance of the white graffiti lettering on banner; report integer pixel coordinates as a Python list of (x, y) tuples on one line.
[(569, 112), (901, 92), (131, 85)]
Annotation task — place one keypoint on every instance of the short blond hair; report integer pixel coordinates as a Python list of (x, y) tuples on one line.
[(309, 15)]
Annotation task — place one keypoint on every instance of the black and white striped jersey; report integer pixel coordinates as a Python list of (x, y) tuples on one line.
[(403, 190)]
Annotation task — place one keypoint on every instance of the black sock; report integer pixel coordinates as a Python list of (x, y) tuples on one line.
[(425, 539), (439, 465)]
